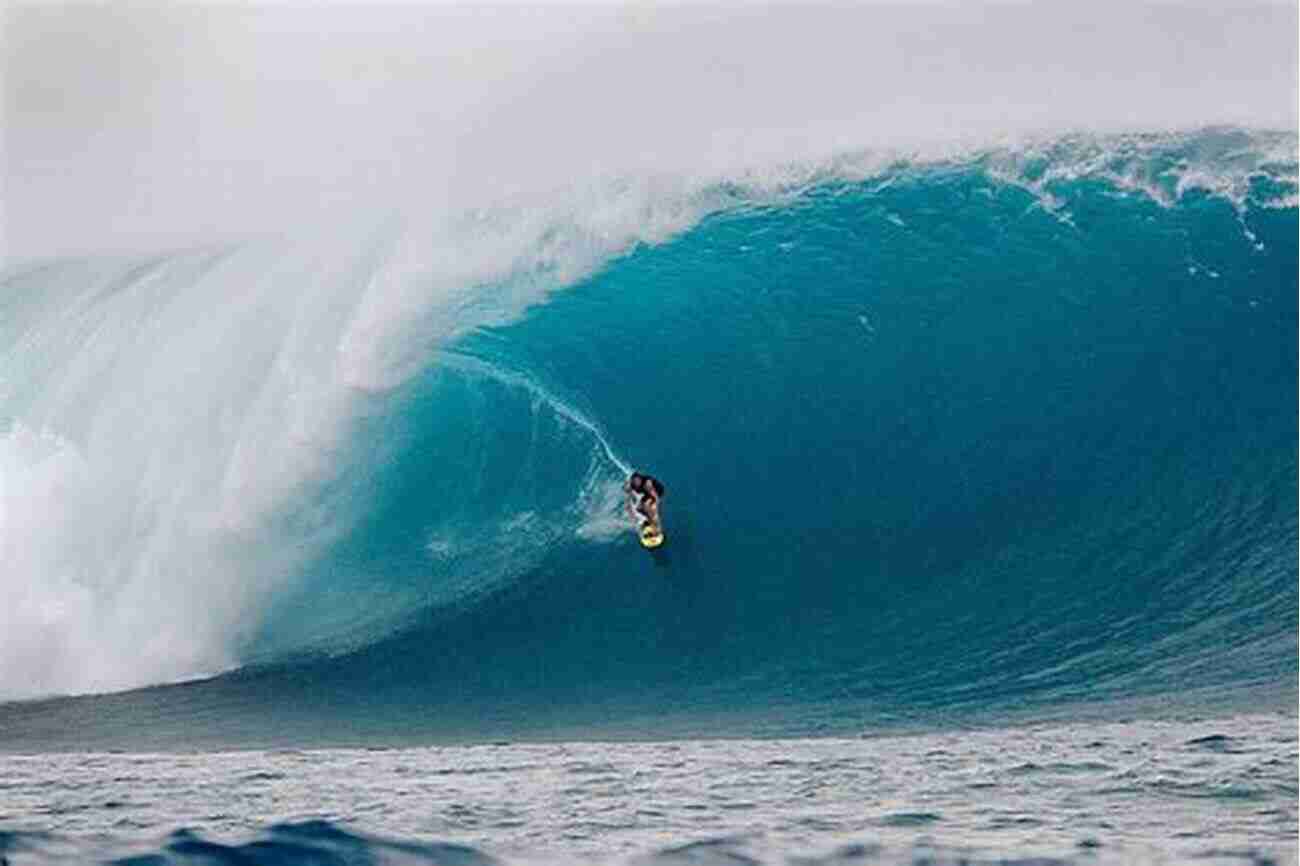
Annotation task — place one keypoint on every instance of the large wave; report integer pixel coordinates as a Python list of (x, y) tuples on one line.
[(1006, 421)]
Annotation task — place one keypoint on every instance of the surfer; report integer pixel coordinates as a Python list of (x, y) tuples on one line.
[(643, 495)]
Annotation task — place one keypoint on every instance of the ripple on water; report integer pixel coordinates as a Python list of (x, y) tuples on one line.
[(1023, 794), (910, 819), (1218, 743)]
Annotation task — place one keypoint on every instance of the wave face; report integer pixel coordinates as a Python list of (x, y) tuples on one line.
[(1010, 427)]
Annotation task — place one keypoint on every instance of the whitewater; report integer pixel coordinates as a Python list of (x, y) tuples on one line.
[(968, 362)]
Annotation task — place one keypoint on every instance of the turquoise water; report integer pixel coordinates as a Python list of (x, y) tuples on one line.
[(980, 441)]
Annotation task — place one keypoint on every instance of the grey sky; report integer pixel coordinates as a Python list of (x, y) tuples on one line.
[(140, 127)]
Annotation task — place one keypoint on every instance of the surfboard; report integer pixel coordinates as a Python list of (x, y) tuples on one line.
[(651, 536)]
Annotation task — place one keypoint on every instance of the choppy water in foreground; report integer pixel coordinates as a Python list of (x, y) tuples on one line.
[(1208, 791)]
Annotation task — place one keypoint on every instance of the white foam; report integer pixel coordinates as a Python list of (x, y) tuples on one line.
[(198, 417), (604, 512), (1163, 167), (66, 624)]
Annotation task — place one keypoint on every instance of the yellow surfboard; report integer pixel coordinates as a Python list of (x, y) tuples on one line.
[(652, 535)]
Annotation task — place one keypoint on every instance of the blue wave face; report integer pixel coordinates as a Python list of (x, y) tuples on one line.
[(933, 440)]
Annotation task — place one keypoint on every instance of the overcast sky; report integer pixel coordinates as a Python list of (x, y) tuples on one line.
[(150, 126)]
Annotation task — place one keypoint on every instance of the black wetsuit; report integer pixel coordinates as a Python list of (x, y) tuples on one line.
[(656, 490)]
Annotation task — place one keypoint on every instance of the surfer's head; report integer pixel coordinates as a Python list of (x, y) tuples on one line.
[(635, 480)]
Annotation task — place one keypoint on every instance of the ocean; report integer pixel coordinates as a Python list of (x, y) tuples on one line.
[(981, 522)]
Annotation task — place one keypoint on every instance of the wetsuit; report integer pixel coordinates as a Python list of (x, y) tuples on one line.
[(655, 493)]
